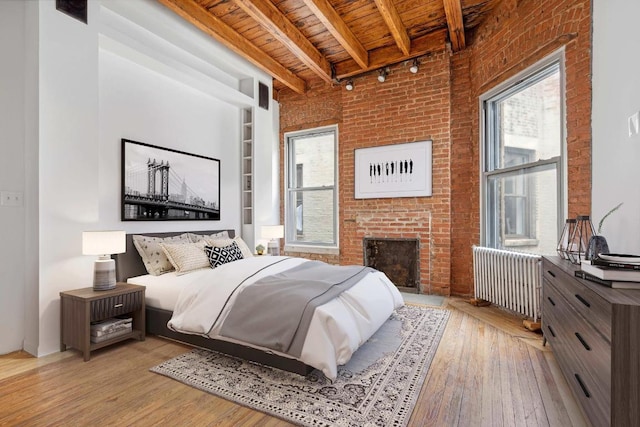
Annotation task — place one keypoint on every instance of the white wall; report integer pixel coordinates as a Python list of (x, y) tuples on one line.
[(134, 71), (68, 158), (616, 96), (12, 173), (139, 104)]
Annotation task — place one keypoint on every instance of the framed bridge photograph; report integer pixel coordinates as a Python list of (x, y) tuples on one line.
[(160, 184)]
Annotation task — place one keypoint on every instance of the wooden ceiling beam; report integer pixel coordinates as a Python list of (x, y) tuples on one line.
[(269, 16), (455, 22), (213, 26), (332, 21), (392, 19), (429, 43)]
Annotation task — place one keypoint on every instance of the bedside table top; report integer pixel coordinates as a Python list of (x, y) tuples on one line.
[(90, 294)]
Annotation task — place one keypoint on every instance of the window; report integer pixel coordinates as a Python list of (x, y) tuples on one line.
[(311, 194), (522, 186)]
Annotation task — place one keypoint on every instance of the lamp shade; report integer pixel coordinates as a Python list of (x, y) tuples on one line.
[(103, 242), (272, 231)]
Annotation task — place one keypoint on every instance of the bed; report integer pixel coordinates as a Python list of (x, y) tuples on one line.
[(335, 329)]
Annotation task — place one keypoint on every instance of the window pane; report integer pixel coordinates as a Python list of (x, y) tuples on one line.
[(525, 220), (311, 200), (314, 216), (528, 124), (315, 156)]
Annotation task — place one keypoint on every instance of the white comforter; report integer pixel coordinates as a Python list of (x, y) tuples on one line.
[(337, 328)]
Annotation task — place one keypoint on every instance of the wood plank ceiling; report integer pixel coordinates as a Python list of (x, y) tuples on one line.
[(300, 41)]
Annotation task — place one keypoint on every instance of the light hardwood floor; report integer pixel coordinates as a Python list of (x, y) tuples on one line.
[(488, 371)]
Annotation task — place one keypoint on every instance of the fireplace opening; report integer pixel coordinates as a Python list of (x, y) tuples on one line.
[(397, 258)]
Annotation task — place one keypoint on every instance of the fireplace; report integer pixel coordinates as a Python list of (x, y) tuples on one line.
[(397, 258)]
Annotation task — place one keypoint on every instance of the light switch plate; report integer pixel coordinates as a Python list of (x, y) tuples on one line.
[(634, 124), (10, 198)]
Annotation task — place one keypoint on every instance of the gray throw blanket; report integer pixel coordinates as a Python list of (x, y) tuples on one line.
[(275, 312)]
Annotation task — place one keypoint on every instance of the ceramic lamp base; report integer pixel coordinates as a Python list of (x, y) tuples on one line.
[(273, 248), (104, 275)]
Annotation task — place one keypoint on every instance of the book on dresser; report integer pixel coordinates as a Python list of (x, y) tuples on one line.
[(615, 264), (610, 273), (616, 284)]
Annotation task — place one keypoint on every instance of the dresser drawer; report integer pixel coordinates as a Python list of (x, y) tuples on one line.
[(592, 352), (116, 305), (592, 307), (595, 401)]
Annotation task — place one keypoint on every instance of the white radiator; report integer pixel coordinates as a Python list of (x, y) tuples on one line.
[(509, 279)]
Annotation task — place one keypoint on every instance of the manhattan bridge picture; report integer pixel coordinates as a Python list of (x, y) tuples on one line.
[(164, 184)]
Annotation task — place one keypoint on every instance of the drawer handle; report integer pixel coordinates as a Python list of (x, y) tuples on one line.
[(551, 301), (118, 305), (582, 300), (551, 330), (582, 386), (551, 273), (582, 341)]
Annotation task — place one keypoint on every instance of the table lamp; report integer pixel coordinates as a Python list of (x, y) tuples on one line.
[(273, 233), (104, 244)]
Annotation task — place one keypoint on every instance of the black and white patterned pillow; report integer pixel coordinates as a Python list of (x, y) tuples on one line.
[(218, 256)]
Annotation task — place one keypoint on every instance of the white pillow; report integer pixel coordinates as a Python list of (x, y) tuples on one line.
[(197, 237), (186, 257), (153, 257)]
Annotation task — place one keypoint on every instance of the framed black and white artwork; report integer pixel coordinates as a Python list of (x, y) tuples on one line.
[(160, 184), (400, 170)]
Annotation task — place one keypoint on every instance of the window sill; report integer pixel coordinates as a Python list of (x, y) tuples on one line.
[(312, 249), (512, 243)]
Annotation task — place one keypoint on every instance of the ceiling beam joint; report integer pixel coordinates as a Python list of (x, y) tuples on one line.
[(210, 24), (332, 21), (276, 23), (455, 22), (396, 27)]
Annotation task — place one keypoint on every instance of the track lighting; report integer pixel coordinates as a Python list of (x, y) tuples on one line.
[(382, 75), (349, 85), (414, 66)]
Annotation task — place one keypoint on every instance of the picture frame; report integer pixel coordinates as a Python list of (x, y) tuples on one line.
[(399, 170), (161, 184), (74, 8)]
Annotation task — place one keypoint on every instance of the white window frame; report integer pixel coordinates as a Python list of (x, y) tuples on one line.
[(561, 161), (292, 245)]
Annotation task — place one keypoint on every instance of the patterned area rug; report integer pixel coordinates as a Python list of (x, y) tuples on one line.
[(379, 386)]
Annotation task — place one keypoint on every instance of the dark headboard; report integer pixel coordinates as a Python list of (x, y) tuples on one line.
[(129, 264)]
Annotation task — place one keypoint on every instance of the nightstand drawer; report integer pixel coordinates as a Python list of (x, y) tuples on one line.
[(116, 305)]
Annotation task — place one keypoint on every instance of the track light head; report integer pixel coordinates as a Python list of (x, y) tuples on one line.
[(349, 85), (382, 75), (414, 66)]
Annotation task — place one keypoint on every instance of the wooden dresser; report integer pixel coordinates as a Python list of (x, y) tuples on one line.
[(594, 333)]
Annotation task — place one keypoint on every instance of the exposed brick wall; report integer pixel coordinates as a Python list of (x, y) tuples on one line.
[(405, 108), (441, 103), (516, 35), (465, 158)]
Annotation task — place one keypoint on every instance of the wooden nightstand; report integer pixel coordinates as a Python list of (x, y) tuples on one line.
[(80, 307)]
